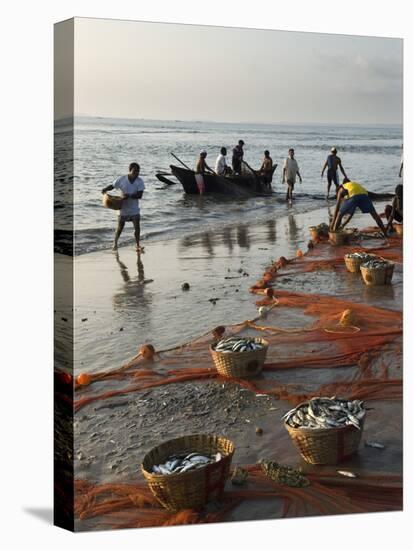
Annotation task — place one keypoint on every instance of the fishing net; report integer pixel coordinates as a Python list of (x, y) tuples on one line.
[(318, 334), (109, 506)]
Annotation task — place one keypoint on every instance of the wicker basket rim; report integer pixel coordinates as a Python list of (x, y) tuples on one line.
[(322, 430), (113, 196), (171, 441), (258, 340), (388, 264), (347, 256)]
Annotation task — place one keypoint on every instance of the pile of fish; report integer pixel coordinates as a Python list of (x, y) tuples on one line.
[(284, 474), (179, 463), (229, 345), (362, 256), (325, 412), (375, 264)]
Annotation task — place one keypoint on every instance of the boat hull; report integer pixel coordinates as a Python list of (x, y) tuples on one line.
[(249, 185)]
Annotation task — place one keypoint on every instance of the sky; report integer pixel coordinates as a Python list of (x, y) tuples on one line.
[(131, 69)]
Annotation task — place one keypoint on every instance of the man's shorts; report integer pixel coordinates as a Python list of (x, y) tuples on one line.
[(357, 201), (130, 218), (332, 176), (291, 183)]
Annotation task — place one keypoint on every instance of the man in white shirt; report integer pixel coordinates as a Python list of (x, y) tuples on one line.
[(132, 188), (221, 167), (290, 173)]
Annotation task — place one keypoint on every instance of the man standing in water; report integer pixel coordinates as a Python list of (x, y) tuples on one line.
[(200, 169), (132, 188), (332, 164), (290, 173), (237, 156)]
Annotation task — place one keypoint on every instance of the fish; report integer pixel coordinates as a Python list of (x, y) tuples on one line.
[(184, 462), (374, 444), (325, 413), (234, 344), (346, 473)]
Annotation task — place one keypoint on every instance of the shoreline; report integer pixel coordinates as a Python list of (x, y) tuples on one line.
[(122, 304), (127, 304)]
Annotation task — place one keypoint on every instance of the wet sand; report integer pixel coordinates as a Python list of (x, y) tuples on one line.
[(122, 303)]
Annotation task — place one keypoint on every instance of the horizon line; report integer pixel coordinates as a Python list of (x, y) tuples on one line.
[(203, 121)]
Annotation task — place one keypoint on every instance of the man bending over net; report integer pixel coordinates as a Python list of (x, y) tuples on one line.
[(350, 196)]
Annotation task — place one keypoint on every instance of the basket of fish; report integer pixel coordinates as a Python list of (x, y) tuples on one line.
[(188, 471), (353, 261), (338, 238), (237, 357), (377, 272), (114, 202), (317, 231), (326, 430)]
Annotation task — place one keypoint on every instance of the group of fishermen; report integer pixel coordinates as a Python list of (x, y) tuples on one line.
[(290, 168), (350, 195)]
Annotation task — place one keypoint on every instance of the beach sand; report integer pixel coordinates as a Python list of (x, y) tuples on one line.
[(121, 304)]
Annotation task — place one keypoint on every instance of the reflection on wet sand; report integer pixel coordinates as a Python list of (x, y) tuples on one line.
[(207, 243), (243, 239), (208, 239), (134, 292), (292, 228), (272, 231)]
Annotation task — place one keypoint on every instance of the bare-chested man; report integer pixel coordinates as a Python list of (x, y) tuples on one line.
[(333, 163)]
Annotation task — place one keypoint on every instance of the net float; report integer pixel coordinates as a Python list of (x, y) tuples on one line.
[(84, 379), (147, 351)]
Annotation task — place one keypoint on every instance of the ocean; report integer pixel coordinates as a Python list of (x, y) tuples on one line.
[(104, 147)]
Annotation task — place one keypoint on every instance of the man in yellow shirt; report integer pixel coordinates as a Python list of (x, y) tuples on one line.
[(352, 195)]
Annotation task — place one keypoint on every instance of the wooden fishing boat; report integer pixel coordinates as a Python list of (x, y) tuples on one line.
[(250, 184)]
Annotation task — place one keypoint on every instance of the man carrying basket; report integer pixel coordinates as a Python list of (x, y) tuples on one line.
[(132, 188)]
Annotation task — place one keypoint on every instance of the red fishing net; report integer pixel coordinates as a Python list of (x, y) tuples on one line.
[(305, 331)]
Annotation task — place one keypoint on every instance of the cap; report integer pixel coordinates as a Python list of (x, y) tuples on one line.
[(333, 150), (203, 152)]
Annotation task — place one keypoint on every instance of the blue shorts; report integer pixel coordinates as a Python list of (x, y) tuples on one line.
[(357, 201)]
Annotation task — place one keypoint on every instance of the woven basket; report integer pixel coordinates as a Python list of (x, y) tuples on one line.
[(192, 489), (314, 235), (112, 201), (338, 238), (353, 264), (326, 446), (381, 276), (398, 227), (240, 364)]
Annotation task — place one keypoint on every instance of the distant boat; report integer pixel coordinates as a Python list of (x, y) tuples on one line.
[(249, 184)]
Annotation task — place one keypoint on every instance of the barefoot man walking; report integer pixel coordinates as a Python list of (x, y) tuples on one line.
[(132, 188)]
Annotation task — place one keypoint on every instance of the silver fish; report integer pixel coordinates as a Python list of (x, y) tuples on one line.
[(374, 444), (346, 473)]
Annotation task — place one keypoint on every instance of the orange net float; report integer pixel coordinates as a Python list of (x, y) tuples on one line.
[(299, 253), (147, 351), (84, 379), (65, 378)]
